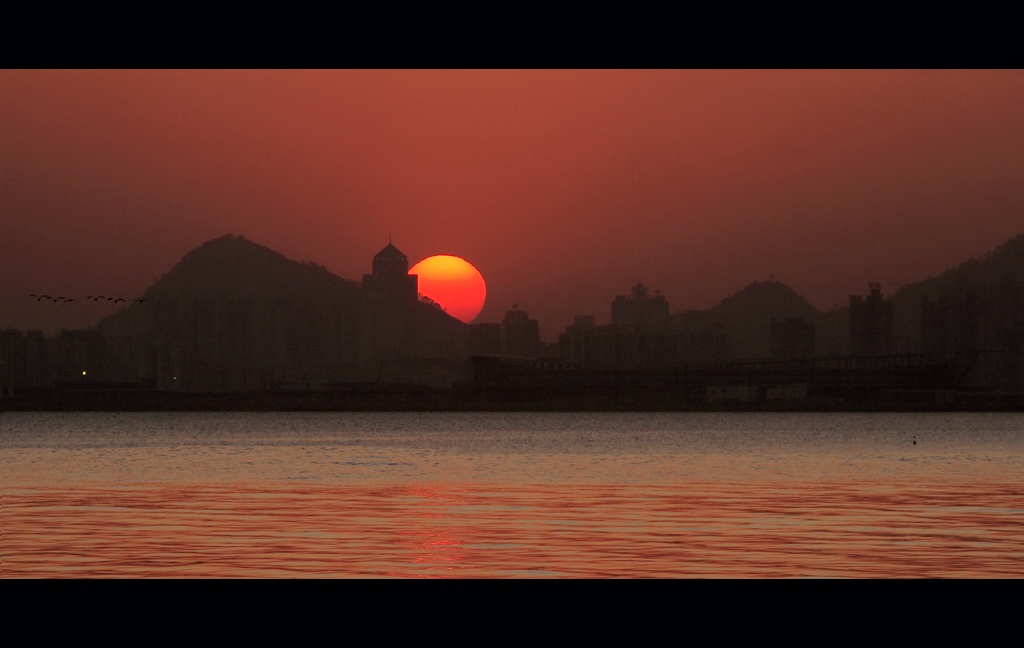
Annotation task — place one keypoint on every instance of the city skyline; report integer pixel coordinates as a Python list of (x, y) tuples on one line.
[(563, 187)]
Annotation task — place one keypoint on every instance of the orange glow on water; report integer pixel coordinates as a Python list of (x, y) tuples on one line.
[(510, 495), (483, 530), (454, 283)]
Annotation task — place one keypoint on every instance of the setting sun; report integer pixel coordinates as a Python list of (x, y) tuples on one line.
[(454, 283)]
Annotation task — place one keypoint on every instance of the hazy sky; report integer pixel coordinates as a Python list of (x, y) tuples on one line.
[(562, 187)]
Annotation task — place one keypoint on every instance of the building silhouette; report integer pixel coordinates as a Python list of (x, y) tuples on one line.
[(581, 343), (792, 338), (641, 335), (13, 361), (485, 338), (639, 311), (80, 356), (982, 327), (871, 323), (388, 303), (520, 335)]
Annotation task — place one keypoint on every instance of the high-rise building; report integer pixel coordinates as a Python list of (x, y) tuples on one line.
[(641, 335), (520, 335), (390, 279), (389, 299), (871, 323), (639, 311), (485, 338), (792, 338), (983, 328), (80, 356)]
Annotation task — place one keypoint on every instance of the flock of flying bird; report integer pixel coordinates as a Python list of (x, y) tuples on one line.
[(95, 298)]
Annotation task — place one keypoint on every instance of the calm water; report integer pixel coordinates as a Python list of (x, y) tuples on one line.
[(511, 495)]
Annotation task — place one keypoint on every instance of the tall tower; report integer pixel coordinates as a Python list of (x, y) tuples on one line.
[(520, 335), (871, 323), (389, 298), (639, 311), (391, 278)]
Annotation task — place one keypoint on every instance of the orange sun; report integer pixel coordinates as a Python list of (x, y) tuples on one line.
[(453, 283)]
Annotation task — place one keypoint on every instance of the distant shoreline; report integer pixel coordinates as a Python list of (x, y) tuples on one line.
[(419, 398)]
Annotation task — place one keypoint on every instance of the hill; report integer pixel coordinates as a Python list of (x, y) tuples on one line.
[(747, 316), (993, 277), (235, 315), (232, 267), (1004, 265)]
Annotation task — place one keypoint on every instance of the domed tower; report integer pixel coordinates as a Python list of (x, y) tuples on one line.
[(391, 280), (389, 299), (390, 261), (640, 311)]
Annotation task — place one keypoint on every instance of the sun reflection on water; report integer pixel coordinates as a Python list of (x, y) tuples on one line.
[(640, 500), (491, 530)]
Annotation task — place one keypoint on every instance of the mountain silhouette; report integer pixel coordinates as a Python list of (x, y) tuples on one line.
[(233, 314), (747, 315), (992, 276), (1003, 265), (233, 267)]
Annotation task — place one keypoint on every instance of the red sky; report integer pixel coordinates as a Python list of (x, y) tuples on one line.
[(562, 187)]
